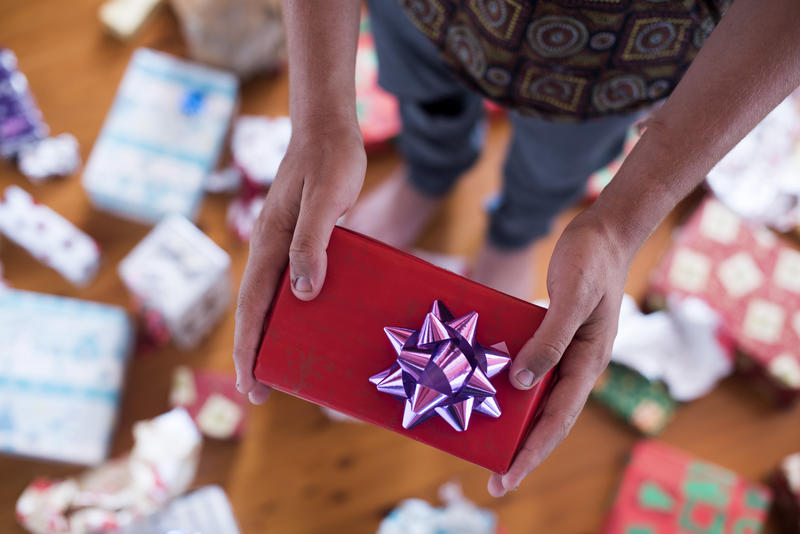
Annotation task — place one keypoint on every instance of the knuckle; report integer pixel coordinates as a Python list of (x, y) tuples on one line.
[(304, 248), (549, 353), (277, 217), (563, 422)]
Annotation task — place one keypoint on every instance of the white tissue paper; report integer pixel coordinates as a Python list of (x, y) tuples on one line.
[(681, 347)]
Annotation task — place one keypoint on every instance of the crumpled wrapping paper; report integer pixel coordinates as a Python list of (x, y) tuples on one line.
[(758, 178), (457, 516), (54, 156), (682, 347), (106, 498), (258, 145)]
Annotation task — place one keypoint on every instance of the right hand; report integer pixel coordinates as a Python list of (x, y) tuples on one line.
[(318, 181)]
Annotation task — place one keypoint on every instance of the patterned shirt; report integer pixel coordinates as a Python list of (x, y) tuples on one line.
[(569, 59)]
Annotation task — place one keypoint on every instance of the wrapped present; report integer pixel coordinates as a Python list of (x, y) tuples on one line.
[(644, 404), (258, 145), (665, 490), (48, 236), (59, 392), (124, 18), (751, 279), (457, 516), (377, 111), (211, 399), (161, 139), (179, 281), (246, 36), (786, 485), (685, 347), (758, 178), (363, 343), (203, 511), (21, 122), (122, 491)]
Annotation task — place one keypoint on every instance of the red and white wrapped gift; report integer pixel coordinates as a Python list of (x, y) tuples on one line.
[(211, 399), (751, 279)]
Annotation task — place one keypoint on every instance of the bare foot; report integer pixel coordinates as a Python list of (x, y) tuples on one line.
[(509, 272), (394, 212)]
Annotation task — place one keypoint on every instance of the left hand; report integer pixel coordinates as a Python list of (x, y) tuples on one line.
[(585, 281)]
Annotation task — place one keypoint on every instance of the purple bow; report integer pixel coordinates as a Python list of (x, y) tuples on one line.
[(441, 369)]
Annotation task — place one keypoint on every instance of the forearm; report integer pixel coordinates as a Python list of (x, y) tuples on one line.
[(321, 41), (749, 64)]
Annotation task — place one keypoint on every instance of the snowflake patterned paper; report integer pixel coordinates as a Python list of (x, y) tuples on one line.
[(667, 491), (751, 279), (59, 392), (162, 137), (179, 282)]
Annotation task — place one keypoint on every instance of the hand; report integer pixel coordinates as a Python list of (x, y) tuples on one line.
[(585, 281), (317, 182)]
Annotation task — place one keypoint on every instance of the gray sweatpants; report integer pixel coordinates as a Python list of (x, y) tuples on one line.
[(547, 164)]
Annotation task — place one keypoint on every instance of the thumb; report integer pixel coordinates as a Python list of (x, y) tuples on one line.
[(307, 259), (545, 349)]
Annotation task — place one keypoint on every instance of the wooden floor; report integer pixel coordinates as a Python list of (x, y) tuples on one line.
[(295, 471)]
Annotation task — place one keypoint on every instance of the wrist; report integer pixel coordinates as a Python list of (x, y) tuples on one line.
[(655, 176), (325, 127), (319, 113)]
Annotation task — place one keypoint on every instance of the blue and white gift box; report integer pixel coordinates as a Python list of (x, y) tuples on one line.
[(161, 139), (62, 366)]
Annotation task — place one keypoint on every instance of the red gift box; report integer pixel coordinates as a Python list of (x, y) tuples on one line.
[(751, 279), (326, 350), (665, 490)]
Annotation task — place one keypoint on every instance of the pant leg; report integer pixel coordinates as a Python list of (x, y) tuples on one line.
[(442, 121), (546, 170)]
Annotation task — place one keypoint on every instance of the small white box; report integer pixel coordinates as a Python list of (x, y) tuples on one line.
[(181, 274), (48, 237)]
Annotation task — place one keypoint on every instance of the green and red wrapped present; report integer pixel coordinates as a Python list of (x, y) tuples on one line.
[(668, 491), (372, 347), (786, 485), (752, 279), (645, 405)]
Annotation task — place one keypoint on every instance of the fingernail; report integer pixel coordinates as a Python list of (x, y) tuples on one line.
[(525, 378), (302, 284)]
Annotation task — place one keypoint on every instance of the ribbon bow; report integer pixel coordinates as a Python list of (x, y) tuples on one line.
[(441, 369)]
